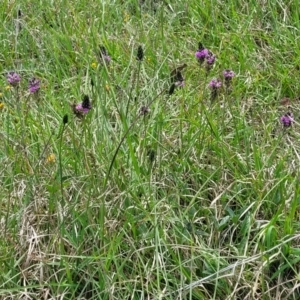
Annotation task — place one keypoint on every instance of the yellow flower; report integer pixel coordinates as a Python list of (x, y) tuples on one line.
[(107, 87), (51, 158), (8, 87), (126, 16), (1, 105), (94, 65)]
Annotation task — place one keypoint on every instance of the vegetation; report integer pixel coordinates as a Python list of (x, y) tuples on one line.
[(132, 166)]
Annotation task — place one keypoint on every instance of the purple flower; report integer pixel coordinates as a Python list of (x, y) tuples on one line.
[(201, 54), (13, 78), (210, 58), (104, 55), (106, 58), (215, 83), (84, 107), (34, 85), (228, 74), (287, 119)]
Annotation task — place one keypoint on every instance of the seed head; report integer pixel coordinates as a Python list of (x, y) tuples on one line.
[(140, 53), (65, 119)]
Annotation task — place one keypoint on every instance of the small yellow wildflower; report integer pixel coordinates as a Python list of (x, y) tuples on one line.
[(94, 65), (126, 16), (1, 105), (51, 158), (107, 87), (8, 87)]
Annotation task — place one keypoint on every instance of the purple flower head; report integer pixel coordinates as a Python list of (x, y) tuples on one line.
[(82, 109), (106, 58), (210, 58), (228, 74), (287, 119), (215, 83), (104, 54), (201, 54), (85, 106), (34, 85), (13, 78)]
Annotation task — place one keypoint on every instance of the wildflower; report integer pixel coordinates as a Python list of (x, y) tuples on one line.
[(104, 55), (51, 158), (126, 17), (107, 88), (210, 58), (287, 119), (13, 78), (215, 84), (228, 75), (1, 105), (201, 53), (94, 65), (82, 108), (140, 53), (34, 85)]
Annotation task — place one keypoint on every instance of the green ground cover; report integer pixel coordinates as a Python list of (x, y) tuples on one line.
[(132, 167)]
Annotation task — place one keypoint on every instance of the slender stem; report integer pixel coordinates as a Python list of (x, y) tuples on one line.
[(60, 162), (124, 136)]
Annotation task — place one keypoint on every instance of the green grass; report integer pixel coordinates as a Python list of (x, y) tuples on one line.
[(197, 199)]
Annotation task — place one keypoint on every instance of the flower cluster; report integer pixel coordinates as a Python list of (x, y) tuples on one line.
[(215, 84), (205, 55), (14, 80)]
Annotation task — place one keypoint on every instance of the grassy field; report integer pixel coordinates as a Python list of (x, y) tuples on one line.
[(133, 167)]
